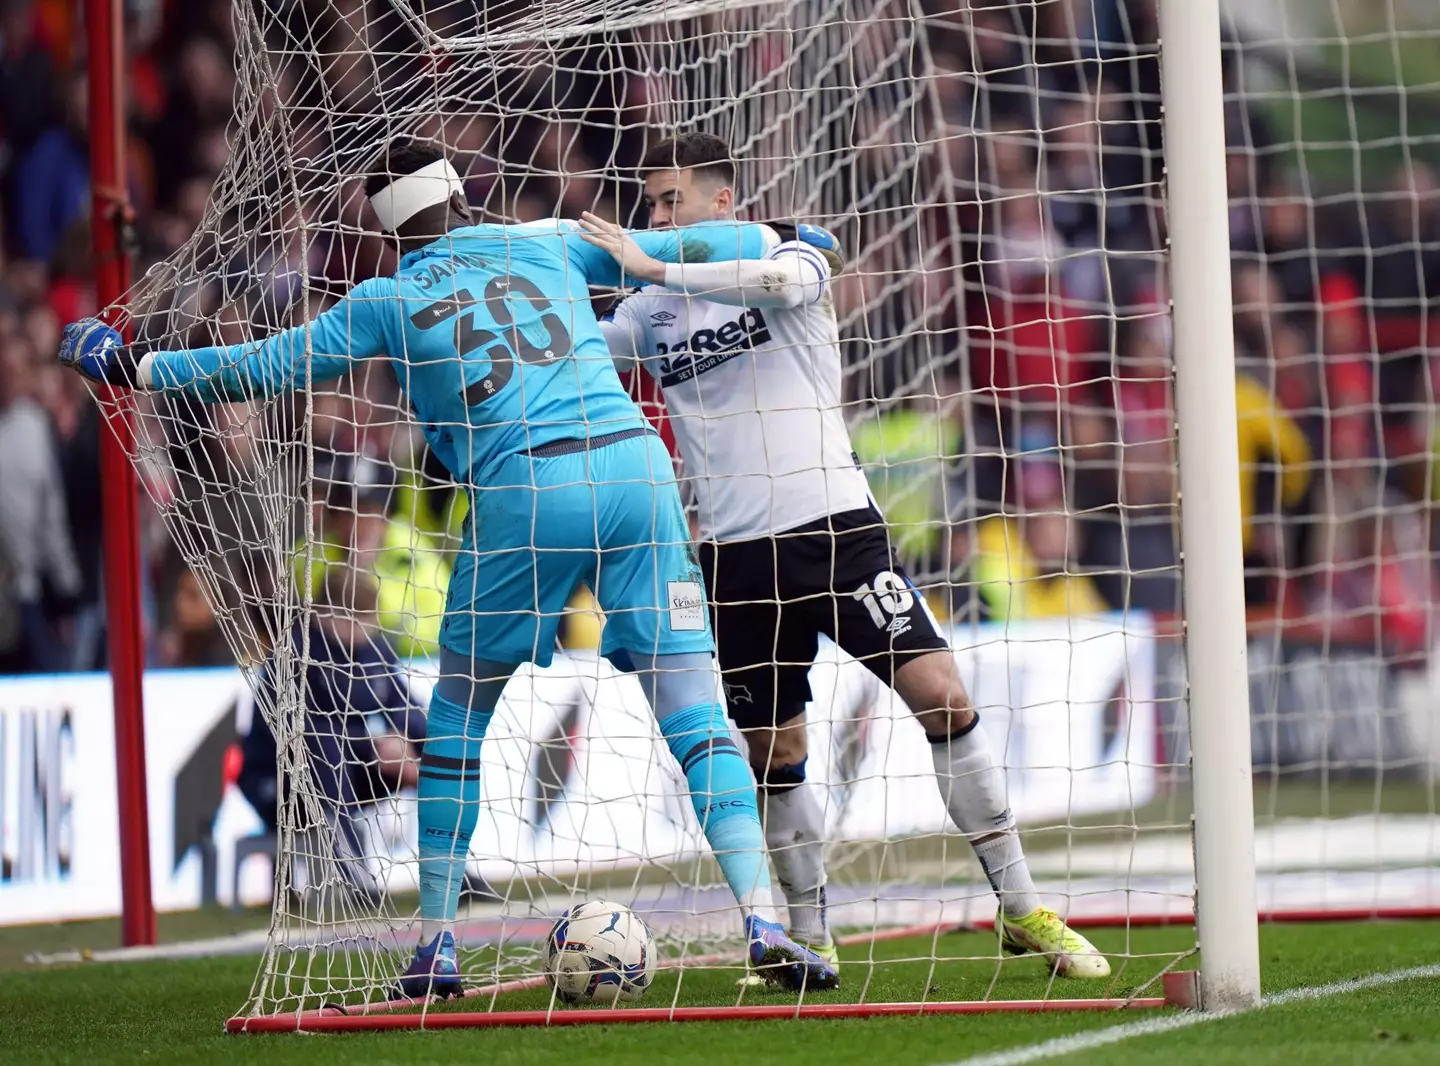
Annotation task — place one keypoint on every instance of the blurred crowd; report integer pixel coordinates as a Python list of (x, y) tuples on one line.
[(1032, 474), (1063, 495)]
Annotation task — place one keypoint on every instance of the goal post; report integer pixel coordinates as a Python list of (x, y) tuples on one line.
[(1216, 662), (120, 486)]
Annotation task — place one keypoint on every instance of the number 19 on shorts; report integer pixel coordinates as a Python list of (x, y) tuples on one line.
[(888, 602)]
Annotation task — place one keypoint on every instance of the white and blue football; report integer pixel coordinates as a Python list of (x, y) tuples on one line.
[(599, 952)]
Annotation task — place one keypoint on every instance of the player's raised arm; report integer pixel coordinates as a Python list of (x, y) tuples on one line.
[(792, 272), (350, 331)]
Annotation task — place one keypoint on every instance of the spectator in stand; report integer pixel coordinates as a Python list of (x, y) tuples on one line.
[(356, 526), (1134, 547), (41, 327), (27, 77), (60, 27), (52, 179), (1027, 338), (1005, 98), (1430, 429), (1137, 549), (1273, 349), (72, 290), (193, 638), (1025, 565), (1375, 573), (1064, 49), (1128, 33), (1402, 272), (1373, 569), (363, 728), (201, 99), (1257, 300), (1272, 445), (1403, 257), (908, 453), (34, 529), (1081, 173), (76, 423), (1275, 452), (1342, 322), (1286, 245), (1296, 373)]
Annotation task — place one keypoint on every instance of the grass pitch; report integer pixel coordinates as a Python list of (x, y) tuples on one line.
[(171, 1012)]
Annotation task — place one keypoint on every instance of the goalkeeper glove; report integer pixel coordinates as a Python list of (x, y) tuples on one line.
[(98, 352), (818, 237)]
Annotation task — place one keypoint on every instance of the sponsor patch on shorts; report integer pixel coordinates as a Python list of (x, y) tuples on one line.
[(687, 607)]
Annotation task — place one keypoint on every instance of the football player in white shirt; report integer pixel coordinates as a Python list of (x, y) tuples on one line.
[(747, 357)]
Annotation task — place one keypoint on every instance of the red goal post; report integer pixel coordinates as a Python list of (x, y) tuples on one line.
[(125, 625)]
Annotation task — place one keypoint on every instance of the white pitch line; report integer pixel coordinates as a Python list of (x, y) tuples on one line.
[(1069, 1045)]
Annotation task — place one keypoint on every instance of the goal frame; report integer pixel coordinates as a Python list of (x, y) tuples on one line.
[(111, 213), (1215, 629), (1212, 567)]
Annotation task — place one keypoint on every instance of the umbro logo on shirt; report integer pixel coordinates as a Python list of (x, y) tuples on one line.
[(662, 318)]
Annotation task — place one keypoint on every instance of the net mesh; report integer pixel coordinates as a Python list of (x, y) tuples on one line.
[(994, 172)]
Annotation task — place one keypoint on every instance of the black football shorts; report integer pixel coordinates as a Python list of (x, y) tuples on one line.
[(772, 597)]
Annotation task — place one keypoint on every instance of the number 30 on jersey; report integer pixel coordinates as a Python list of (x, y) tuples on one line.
[(501, 351)]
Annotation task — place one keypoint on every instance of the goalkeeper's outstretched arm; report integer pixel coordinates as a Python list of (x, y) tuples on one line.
[(792, 269), (795, 272), (350, 331), (707, 242)]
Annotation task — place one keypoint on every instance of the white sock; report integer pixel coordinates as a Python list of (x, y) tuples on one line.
[(1004, 864), (973, 788), (758, 902), (430, 928), (794, 836)]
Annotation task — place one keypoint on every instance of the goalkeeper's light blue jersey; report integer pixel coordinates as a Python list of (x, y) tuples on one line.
[(490, 333)]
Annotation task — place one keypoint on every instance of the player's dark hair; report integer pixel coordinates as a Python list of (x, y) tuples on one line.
[(703, 152), (401, 156)]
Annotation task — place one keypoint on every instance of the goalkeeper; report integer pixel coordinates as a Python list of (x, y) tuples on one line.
[(491, 335), (747, 356)]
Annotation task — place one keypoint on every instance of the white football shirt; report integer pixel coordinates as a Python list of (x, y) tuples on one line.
[(754, 396)]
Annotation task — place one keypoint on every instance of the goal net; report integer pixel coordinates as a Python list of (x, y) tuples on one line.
[(994, 172)]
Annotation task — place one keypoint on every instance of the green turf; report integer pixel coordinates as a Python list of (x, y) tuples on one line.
[(171, 1012), (952, 966), (1395, 1026)]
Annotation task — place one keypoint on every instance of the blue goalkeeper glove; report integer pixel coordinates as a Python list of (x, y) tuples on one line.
[(819, 238), (98, 352)]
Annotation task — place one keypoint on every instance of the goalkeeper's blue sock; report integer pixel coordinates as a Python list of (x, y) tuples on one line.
[(722, 790), (449, 784)]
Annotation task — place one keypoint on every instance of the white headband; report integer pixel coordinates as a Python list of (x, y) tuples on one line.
[(409, 194)]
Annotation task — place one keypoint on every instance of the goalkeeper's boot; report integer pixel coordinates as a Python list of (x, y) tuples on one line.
[(780, 960), (826, 951), (1041, 932), (432, 972)]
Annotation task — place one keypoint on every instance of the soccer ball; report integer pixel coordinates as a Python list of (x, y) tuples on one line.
[(599, 952)]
